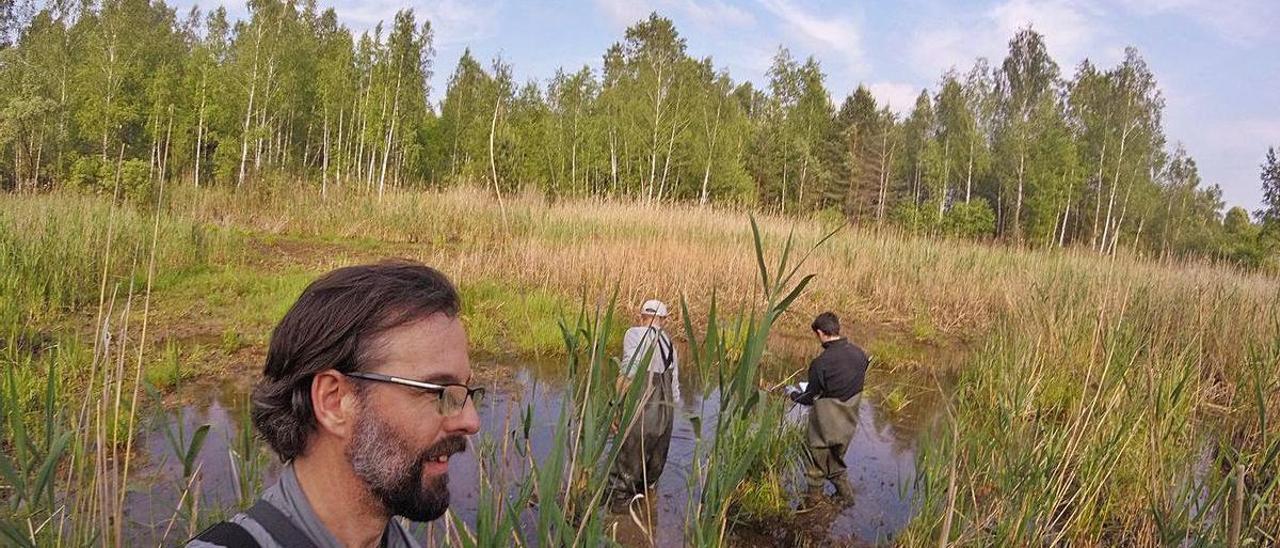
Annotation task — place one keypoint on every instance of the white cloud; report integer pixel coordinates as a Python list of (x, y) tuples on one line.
[(1237, 21), (1244, 136), (935, 50), (824, 32), (704, 15), (1070, 28), (714, 14), (900, 96), (623, 13), (461, 22), (1228, 151), (454, 22)]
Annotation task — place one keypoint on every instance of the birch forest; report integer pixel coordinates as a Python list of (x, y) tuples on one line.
[(126, 93)]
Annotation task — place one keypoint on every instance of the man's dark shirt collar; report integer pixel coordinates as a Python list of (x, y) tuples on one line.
[(827, 344)]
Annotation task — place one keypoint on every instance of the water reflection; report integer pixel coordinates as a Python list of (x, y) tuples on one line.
[(881, 462)]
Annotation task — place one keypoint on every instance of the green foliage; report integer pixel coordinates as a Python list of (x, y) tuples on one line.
[(1025, 432), (747, 421), (127, 93), (54, 250), (763, 497), (89, 174), (569, 484), (230, 341), (829, 219), (506, 320), (167, 373), (31, 454), (1270, 176), (135, 180), (973, 220), (922, 327), (916, 218), (895, 399)]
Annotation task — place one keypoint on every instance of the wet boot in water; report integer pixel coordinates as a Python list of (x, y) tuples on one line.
[(844, 492)]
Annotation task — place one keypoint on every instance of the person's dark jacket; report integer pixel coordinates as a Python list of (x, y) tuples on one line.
[(837, 372)]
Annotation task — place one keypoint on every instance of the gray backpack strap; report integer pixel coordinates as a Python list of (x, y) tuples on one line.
[(228, 534), (668, 351), (279, 526)]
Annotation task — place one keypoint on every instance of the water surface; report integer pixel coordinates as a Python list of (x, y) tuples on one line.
[(881, 462)]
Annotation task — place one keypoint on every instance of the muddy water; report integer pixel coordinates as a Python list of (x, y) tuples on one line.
[(881, 463)]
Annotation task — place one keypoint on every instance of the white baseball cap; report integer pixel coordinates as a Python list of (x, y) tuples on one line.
[(654, 307)]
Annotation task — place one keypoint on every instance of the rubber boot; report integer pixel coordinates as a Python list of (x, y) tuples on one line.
[(844, 491), (813, 497), (620, 503)]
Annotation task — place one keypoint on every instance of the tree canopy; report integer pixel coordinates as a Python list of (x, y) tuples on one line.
[(128, 90)]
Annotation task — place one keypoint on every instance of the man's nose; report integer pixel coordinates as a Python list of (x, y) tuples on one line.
[(467, 422)]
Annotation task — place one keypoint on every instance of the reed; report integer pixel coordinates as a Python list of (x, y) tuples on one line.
[(1112, 414), (1093, 400)]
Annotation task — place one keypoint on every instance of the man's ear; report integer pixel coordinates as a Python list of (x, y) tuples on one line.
[(333, 401)]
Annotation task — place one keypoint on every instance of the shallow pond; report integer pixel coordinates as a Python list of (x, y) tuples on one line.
[(881, 462)]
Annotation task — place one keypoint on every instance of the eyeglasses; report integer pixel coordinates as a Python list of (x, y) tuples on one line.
[(451, 398)]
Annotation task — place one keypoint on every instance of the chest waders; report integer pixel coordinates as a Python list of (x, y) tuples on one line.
[(644, 450)]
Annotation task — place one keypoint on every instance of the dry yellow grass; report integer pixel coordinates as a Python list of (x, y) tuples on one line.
[(874, 278)]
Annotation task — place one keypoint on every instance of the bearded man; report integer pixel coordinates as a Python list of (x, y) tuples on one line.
[(365, 397)]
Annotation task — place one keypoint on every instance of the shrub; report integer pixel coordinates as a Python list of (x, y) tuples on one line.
[(829, 218), (970, 220), (916, 218)]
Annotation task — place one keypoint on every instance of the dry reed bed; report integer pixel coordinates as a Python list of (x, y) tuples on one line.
[(956, 287)]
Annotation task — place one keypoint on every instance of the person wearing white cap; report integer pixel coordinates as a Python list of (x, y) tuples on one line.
[(647, 355)]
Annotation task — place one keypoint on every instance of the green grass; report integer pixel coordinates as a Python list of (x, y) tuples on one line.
[(895, 399), (506, 320), (54, 250), (174, 365), (892, 355), (765, 496), (922, 329)]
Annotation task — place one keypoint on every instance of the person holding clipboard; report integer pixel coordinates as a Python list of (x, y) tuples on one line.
[(835, 382)]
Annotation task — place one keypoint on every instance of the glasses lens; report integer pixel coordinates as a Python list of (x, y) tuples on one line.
[(452, 400)]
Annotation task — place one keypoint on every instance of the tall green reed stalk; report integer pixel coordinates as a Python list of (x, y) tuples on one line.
[(30, 471), (566, 488), (747, 420)]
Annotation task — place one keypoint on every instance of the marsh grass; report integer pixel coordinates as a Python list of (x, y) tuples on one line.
[(67, 452), (1082, 422), (1106, 401)]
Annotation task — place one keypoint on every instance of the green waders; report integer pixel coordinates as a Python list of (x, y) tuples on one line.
[(644, 450), (831, 426)]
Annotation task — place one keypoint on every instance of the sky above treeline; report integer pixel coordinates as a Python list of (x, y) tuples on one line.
[(1217, 62)]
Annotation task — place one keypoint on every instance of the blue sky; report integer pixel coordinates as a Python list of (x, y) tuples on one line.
[(1217, 61)]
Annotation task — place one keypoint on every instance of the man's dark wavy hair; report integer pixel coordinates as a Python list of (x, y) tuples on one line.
[(333, 325), (827, 322)]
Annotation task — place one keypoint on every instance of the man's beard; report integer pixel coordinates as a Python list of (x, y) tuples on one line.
[(388, 464)]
